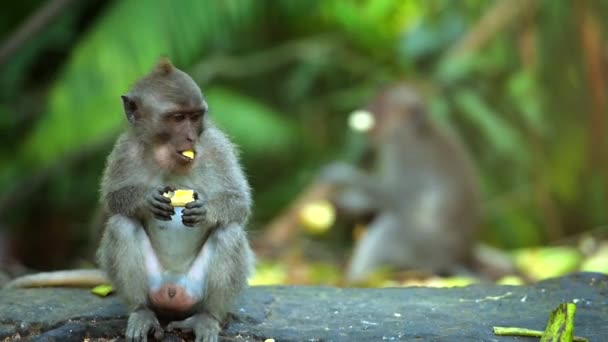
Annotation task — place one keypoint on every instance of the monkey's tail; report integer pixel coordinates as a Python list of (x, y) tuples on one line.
[(73, 278)]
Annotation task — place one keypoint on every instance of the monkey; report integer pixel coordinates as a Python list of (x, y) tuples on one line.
[(423, 191), (188, 268), (185, 265)]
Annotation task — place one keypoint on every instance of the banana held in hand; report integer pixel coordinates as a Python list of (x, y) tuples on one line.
[(179, 198)]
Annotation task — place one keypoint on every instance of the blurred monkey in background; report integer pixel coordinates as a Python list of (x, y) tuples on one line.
[(423, 191)]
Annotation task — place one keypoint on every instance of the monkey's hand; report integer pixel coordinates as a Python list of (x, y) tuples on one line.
[(195, 212), (340, 174), (159, 205)]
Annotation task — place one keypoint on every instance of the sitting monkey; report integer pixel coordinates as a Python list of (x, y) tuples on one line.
[(201, 271), (185, 265), (423, 191)]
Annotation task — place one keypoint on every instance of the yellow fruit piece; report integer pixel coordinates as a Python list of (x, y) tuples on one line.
[(547, 262), (598, 262), (269, 273), (179, 198), (102, 290), (189, 154), (317, 217), (512, 280)]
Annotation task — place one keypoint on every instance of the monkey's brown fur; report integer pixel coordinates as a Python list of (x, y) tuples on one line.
[(167, 115)]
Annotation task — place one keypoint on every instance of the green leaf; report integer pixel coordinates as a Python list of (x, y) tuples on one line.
[(567, 164), (513, 226), (560, 327), (525, 96), (430, 37), (375, 24), (452, 70), (257, 128), (496, 130)]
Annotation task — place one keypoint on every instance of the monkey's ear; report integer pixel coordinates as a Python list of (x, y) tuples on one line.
[(130, 108), (164, 66)]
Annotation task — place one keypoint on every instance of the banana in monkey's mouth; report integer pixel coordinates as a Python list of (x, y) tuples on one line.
[(188, 154)]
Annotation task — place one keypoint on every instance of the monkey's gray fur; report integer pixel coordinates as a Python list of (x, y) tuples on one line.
[(424, 191), (132, 173)]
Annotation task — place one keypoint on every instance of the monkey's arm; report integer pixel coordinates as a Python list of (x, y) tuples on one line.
[(232, 202), (229, 203), (358, 191), (128, 200), (228, 207), (227, 196), (123, 190), (141, 202)]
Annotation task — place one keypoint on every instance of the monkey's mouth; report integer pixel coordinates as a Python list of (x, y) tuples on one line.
[(184, 157)]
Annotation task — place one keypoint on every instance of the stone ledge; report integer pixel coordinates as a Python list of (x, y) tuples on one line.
[(298, 313)]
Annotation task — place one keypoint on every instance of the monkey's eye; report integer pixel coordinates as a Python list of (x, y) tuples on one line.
[(178, 117), (195, 116)]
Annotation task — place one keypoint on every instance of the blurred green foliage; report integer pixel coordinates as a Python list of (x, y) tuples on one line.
[(281, 78)]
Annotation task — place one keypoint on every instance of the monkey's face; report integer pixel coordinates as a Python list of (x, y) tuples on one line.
[(167, 127), (178, 130), (166, 112), (397, 111)]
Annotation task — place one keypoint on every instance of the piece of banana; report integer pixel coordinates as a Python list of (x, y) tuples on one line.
[(179, 198), (188, 154)]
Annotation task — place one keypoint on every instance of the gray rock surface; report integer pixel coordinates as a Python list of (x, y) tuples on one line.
[(296, 313)]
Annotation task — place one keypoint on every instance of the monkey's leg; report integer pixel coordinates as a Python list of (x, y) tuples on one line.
[(222, 266), (205, 327), (141, 322), (122, 254), (380, 246)]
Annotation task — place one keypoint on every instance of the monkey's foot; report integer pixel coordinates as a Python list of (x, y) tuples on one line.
[(205, 327), (141, 322)]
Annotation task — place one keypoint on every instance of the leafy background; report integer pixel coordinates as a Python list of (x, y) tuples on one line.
[(523, 83)]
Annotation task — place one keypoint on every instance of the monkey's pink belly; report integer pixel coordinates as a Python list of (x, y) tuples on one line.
[(172, 298)]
